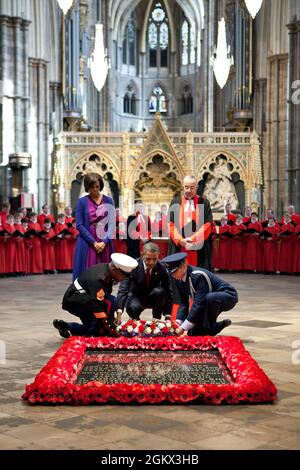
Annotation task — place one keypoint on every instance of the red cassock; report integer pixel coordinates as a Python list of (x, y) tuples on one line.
[(187, 218), (35, 250), (224, 257), (21, 251), (253, 248), (215, 246), (237, 247), (47, 244), (296, 267), (41, 219), (246, 220), (270, 249), (62, 250), (286, 249), (69, 220), (72, 243), (295, 220), (11, 261), (231, 218), (2, 254)]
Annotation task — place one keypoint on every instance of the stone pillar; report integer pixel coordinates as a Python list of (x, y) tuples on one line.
[(275, 157), (293, 170)]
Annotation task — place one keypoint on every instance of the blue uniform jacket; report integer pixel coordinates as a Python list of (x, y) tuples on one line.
[(198, 286)]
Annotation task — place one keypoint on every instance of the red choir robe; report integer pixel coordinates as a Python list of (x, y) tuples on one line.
[(231, 218), (69, 220), (22, 252), (215, 245), (41, 218), (119, 239), (2, 252), (246, 221), (286, 249), (47, 245), (295, 220), (72, 243), (270, 249), (296, 266), (62, 250), (190, 227), (11, 261), (35, 251), (253, 248), (224, 256), (3, 216), (237, 247)]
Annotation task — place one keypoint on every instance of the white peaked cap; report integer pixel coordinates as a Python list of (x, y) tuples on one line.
[(124, 262)]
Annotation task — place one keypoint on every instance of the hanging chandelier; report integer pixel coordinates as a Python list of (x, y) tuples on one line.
[(222, 59), (65, 5), (253, 6), (99, 62)]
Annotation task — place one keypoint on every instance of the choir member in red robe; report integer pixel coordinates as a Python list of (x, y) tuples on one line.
[(24, 223), (11, 265), (237, 245), (2, 251), (253, 245), (45, 214), (120, 237), (21, 247), (231, 218), (270, 246), (295, 218), (156, 225), (224, 257), (164, 220), (4, 212), (34, 244), (69, 219), (215, 246), (269, 215), (296, 267), (286, 246), (72, 240), (62, 249), (190, 219), (247, 218), (47, 244)]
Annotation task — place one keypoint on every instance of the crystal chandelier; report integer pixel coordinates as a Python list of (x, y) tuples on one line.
[(99, 62), (222, 59), (253, 6), (65, 5)]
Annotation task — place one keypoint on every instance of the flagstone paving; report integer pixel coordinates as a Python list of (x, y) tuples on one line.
[(267, 319)]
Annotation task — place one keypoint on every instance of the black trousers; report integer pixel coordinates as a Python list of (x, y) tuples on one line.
[(156, 300)]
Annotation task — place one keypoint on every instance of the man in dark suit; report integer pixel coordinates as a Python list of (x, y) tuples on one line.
[(189, 222), (138, 230), (149, 286), (203, 297)]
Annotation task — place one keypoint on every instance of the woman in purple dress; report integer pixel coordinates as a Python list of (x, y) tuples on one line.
[(95, 221)]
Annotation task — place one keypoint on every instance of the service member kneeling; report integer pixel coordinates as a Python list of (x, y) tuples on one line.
[(209, 296), (89, 298)]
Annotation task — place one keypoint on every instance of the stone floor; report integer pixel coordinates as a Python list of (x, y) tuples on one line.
[(267, 319)]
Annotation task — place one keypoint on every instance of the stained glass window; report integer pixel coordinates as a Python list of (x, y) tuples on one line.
[(157, 101), (188, 44), (129, 43), (158, 36)]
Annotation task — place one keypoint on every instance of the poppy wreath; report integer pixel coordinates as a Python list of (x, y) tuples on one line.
[(148, 328), (56, 381)]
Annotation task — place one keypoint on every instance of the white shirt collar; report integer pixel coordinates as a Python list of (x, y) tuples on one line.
[(145, 267)]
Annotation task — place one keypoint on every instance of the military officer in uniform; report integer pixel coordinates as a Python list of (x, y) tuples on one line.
[(89, 298), (203, 297)]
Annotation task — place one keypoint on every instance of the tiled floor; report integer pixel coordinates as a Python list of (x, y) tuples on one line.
[(267, 319)]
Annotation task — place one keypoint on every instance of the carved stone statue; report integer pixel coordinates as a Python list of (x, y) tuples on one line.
[(219, 188)]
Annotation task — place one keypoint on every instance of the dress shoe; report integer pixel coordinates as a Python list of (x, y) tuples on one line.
[(220, 325), (62, 328)]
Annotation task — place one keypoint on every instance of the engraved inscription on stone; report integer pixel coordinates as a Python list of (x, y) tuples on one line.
[(159, 367)]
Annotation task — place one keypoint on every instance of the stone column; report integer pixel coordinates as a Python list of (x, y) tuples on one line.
[(293, 169)]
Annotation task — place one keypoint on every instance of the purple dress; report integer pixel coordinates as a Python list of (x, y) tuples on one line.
[(99, 227)]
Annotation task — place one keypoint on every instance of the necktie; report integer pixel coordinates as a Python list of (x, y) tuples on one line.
[(148, 276)]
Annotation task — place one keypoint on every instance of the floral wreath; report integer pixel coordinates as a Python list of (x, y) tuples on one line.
[(148, 328)]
